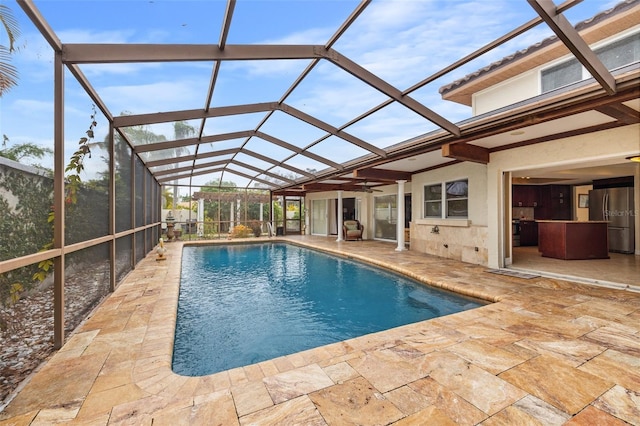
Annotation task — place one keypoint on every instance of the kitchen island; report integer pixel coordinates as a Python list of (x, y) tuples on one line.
[(572, 240)]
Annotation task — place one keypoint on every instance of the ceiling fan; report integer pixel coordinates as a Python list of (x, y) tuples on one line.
[(366, 188)]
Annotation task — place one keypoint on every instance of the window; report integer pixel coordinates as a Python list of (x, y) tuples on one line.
[(433, 200), (620, 53), (454, 196), (561, 75), (457, 197), (614, 55)]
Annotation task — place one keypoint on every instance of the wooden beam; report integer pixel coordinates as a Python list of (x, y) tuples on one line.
[(193, 114), (105, 53), (466, 152), (621, 112), (317, 186), (382, 174), (288, 193)]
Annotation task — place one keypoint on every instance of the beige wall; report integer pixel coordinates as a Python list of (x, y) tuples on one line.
[(460, 239), (474, 172), (581, 213), (520, 88)]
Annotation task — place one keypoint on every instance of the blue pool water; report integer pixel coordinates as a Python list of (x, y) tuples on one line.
[(242, 304)]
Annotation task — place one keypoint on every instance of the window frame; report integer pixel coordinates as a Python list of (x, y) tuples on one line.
[(444, 200), (447, 199), (431, 201)]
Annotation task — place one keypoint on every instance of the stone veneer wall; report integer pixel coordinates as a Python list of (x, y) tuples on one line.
[(461, 242)]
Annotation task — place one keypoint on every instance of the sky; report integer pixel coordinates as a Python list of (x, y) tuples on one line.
[(400, 41)]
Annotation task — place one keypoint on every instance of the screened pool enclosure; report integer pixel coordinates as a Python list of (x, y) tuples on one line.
[(197, 135)]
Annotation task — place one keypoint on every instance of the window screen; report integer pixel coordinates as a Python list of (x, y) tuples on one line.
[(561, 75), (620, 53)]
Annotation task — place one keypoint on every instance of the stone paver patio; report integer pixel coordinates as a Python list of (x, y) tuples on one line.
[(547, 352)]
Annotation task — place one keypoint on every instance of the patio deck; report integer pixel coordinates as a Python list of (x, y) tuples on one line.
[(547, 352)]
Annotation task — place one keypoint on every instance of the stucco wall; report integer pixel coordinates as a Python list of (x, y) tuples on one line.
[(460, 239), (520, 88)]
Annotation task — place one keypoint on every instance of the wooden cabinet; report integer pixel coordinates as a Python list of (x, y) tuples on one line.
[(525, 196), (555, 203), (528, 233), (573, 240), (559, 191), (551, 202)]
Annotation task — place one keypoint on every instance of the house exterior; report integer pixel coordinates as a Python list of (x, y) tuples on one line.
[(479, 229)]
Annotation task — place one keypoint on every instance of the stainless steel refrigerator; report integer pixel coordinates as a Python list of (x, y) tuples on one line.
[(615, 205)]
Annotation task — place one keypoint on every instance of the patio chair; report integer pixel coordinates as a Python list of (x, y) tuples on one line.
[(352, 230)]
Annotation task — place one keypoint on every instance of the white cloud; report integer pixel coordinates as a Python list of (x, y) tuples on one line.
[(77, 35), (123, 69), (308, 36), (32, 106), (266, 68), (154, 97), (405, 41)]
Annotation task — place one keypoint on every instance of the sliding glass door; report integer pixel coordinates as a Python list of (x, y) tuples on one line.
[(319, 217), (385, 212)]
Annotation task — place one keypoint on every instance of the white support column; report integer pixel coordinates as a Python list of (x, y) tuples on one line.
[(238, 204), (340, 217), (400, 216), (175, 199), (273, 216), (232, 217), (261, 222), (200, 217), (307, 223)]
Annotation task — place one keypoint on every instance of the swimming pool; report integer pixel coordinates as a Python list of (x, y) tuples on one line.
[(242, 304)]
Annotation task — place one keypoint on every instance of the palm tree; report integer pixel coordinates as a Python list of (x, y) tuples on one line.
[(8, 73)]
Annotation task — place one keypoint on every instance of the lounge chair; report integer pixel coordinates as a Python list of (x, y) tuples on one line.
[(352, 230)]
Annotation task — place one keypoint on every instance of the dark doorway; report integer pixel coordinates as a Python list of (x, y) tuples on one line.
[(348, 208), (407, 210)]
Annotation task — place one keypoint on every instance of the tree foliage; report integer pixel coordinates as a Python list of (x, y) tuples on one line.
[(22, 151), (8, 73), (24, 228)]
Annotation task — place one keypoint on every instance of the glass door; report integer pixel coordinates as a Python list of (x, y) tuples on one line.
[(319, 217), (385, 216), (293, 214)]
